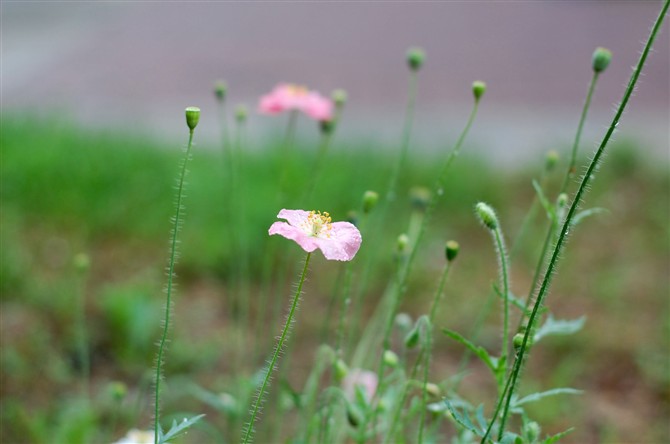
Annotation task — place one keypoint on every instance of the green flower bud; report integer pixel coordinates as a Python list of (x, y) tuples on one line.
[(390, 358), (241, 113), (327, 126), (220, 90), (532, 431), (402, 243), (517, 341), (354, 416), (339, 97), (551, 159), (562, 200), (433, 390), (420, 198), (478, 89), (412, 338), (341, 370), (415, 58), (192, 117), (370, 199), (487, 215), (601, 59), (403, 321), (81, 262), (451, 250), (117, 390)]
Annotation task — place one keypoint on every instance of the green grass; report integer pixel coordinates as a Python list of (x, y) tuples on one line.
[(67, 190)]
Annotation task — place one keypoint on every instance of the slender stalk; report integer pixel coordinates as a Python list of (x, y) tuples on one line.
[(504, 277), (439, 293), (168, 303), (275, 356), (583, 186), (406, 135), (426, 369)]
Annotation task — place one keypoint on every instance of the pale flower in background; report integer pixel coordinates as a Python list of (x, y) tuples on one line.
[(290, 97), (365, 379), (136, 436), (338, 241)]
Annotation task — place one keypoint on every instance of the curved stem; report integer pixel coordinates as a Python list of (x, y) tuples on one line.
[(583, 186), (275, 355), (168, 302), (504, 277)]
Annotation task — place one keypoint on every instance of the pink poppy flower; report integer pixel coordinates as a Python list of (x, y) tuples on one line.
[(338, 241), (289, 97), (365, 379)]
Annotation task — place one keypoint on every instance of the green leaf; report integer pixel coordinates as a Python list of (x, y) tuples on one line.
[(556, 437), (586, 213), (558, 327), (462, 419), (553, 392), (490, 362), (177, 429), (548, 207)]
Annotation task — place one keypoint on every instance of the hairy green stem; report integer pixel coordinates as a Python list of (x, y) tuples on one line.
[(168, 302), (504, 277), (275, 355), (583, 186)]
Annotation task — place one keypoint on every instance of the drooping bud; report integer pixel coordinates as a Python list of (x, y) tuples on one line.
[(370, 199), (339, 97), (601, 59), (415, 58), (433, 390), (192, 117), (412, 338), (341, 370), (241, 113), (420, 198), (402, 243), (451, 250), (403, 321), (550, 160), (220, 90), (390, 358), (478, 89), (487, 215)]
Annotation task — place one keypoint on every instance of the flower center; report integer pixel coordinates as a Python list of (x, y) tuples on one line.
[(317, 224), (297, 90)]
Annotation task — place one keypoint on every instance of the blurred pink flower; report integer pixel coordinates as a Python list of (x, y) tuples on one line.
[(311, 230), (289, 97), (365, 379)]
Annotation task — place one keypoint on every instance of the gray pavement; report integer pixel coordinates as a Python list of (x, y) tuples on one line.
[(136, 65)]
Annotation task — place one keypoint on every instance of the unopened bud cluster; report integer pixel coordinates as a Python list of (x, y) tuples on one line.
[(486, 215)]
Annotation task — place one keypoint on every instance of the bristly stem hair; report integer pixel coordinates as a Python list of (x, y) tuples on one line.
[(563, 234)]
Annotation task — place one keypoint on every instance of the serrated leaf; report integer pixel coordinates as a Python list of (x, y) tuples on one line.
[(177, 429), (586, 213), (553, 392), (490, 362), (552, 439), (553, 326), (462, 419), (548, 207)]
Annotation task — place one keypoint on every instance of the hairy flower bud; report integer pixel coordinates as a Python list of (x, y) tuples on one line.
[(550, 160), (220, 90), (478, 89), (341, 370), (390, 358), (601, 59), (451, 250), (402, 243), (241, 113), (370, 199), (192, 117), (415, 58), (487, 215)]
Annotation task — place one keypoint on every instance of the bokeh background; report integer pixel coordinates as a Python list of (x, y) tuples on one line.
[(92, 121)]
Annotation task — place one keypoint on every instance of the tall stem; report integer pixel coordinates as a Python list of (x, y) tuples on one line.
[(275, 356), (168, 302), (583, 186)]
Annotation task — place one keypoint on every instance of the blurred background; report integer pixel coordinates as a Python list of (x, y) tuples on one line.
[(93, 95)]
